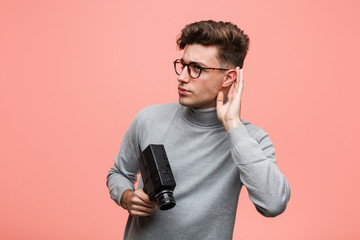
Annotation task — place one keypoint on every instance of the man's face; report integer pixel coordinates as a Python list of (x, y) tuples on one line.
[(202, 91)]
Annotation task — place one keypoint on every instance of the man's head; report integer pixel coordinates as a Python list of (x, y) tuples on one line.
[(209, 44), (231, 41)]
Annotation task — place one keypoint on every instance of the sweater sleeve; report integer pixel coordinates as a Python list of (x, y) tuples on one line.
[(255, 156), (123, 174)]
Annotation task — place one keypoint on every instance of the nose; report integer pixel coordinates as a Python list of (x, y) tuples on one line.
[(184, 76)]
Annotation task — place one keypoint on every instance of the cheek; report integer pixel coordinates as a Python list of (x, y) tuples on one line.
[(213, 89), (208, 88)]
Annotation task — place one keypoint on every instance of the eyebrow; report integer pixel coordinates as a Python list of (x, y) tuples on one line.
[(200, 63)]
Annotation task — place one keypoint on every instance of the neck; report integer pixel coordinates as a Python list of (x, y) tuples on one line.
[(204, 117)]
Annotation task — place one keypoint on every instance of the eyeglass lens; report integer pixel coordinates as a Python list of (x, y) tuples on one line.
[(194, 69)]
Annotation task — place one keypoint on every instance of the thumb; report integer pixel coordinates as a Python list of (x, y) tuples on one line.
[(220, 99)]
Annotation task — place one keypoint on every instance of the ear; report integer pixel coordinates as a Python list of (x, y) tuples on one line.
[(229, 78)]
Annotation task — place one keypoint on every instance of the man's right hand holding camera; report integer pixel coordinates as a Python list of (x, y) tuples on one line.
[(138, 203)]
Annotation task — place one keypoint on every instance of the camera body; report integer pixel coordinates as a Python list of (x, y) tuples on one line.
[(157, 176)]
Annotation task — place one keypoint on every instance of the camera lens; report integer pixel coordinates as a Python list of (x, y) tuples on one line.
[(165, 200)]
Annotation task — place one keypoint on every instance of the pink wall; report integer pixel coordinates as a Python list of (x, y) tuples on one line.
[(74, 73)]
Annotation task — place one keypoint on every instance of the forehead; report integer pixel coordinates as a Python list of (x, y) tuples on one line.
[(206, 55)]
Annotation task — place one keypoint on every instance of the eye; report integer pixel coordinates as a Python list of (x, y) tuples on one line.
[(197, 68)]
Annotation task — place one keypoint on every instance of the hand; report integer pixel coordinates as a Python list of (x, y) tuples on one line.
[(229, 113), (138, 203)]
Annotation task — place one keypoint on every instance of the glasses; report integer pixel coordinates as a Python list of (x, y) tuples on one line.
[(193, 68)]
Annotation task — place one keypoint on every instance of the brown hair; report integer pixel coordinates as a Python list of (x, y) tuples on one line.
[(231, 41)]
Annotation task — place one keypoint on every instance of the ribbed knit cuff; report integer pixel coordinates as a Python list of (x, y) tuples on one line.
[(237, 134)]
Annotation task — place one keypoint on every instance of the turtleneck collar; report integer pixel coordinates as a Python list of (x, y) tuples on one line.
[(203, 117)]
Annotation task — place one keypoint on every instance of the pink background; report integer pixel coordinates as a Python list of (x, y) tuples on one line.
[(73, 74)]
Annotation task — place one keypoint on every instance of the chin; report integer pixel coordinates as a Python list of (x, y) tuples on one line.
[(200, 105), (186, 102)]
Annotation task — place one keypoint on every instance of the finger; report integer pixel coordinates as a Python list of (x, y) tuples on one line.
[(142, 195), (237, 74), (142, 198), (241, 71), (220, 99), (239, 80), (140, 208), (140, 213), (140, 202), (235, 86)]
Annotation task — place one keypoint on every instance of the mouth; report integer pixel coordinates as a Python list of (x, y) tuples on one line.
[(183, 91)]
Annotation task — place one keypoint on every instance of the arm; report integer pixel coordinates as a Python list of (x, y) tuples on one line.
[(123, 175), (255, 155)]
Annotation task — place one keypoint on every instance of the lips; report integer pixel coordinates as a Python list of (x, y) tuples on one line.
[(183, 91)]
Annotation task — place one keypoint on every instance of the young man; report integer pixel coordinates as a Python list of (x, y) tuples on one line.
[(212, 152)]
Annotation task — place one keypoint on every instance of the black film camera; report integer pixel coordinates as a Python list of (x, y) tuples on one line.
[(157, 176)]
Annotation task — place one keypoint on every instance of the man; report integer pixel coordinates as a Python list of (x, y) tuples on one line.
[(212, 152)]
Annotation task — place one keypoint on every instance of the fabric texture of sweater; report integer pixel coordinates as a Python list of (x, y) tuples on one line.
[(210, 166)]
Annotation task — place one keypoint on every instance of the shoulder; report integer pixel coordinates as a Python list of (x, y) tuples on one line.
[(154, 111), (157, 113), (160, 108)]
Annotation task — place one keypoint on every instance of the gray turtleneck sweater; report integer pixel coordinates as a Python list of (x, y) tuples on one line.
[(209, 165)]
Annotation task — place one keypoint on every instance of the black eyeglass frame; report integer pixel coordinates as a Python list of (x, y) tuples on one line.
[(197, 65)]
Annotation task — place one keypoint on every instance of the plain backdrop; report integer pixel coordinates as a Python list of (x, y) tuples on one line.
[(73, 74)]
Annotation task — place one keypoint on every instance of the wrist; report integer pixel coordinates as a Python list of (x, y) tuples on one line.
[(228, 125), (124, 198)]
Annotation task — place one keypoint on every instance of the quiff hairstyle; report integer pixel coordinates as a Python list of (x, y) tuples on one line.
[(231, 41)]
